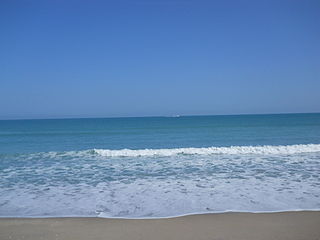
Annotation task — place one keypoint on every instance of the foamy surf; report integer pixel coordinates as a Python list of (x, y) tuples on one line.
[(171, 152), (139, 184), (287, 149)]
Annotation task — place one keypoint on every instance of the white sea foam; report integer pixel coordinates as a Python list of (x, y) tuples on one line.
[(159, 198), (187, 180), (268, 149), (171, 152)]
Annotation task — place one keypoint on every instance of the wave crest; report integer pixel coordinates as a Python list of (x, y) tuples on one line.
[(267, 149)]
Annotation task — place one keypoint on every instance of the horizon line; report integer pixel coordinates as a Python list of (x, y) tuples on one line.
[(155, 116)]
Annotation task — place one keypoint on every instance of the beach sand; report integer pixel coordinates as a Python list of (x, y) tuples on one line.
[(224, 226)]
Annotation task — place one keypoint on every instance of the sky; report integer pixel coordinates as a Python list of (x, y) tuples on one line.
[(66, 58)]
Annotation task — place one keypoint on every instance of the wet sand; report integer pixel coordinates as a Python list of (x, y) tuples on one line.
[(258, 226)]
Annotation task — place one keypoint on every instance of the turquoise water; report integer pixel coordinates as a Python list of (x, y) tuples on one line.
[(159, 166)]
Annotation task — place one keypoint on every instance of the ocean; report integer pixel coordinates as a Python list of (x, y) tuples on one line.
[(152, 167)]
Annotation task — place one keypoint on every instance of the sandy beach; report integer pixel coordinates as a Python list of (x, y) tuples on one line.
[(246, 226)]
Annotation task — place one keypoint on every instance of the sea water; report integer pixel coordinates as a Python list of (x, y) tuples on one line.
[(159, 166)]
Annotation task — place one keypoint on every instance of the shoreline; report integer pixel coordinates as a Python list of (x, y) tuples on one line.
[(155, 218), (231, 225)]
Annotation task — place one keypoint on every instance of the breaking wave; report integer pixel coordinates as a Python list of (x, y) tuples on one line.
[(171, 152), (289, 149)]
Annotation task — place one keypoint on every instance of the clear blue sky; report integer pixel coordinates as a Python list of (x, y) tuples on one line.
[(64, 58)]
